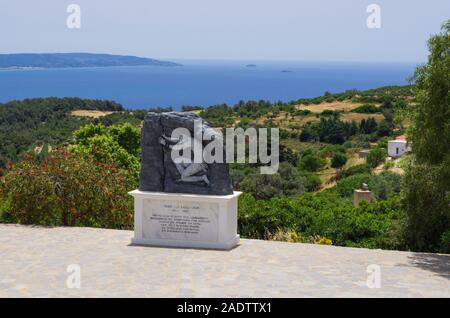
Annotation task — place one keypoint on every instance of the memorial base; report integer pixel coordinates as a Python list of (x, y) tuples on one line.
[(185, 220)]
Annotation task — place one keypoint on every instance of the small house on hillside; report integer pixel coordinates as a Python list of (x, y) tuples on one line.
[(363, 153), (398, 147)]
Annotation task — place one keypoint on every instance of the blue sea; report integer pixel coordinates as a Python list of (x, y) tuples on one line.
[(200, 83)]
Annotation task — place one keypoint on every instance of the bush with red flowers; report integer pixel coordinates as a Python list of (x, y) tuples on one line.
[(67, 189)]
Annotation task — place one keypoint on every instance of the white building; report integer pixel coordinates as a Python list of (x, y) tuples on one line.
[(398, 147)]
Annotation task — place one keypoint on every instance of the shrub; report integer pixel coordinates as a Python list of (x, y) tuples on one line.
[(312, 163), (329, 150), (292, 236), (323, 241), (426, 199), (189, 108), (345, 187), (283, 235), (127, 136), (338, 160), (388, 165), (382, 185), (362, 141), (303, 112), (358, 169), (376, 157), (348, 144), (287, 154), (384, 129), (83, 134), (286, 182), (68, 189), (374, 225), (330, 130), (106, 150), (382, 143), (118, 144), (329, 112), (239, 171), (4, 208), (311, 181), (445, 242), (368, 126), (385, 185), (366, 109)]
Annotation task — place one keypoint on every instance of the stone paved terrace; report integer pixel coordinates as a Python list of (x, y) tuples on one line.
[(34, 260)]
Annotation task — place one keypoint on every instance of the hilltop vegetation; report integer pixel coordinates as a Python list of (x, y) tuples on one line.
[(31, 122), (344, 109), (25, 124)]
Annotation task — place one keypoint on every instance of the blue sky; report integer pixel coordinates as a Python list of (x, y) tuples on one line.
[(313, 30)]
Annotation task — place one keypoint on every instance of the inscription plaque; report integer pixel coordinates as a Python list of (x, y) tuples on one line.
[(185, 220), (180, 220)]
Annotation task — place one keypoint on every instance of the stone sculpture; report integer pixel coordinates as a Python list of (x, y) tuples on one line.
[(158, 171)]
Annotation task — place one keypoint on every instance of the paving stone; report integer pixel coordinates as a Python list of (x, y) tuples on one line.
[(34, 260)]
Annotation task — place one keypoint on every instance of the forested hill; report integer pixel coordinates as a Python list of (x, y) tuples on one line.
[(32, 122), (58, 60), (23, 123)]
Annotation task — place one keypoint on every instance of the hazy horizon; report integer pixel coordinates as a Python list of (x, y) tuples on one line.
[(254, 30), (237, 60)]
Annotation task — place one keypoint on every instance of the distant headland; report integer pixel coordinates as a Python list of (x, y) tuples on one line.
[(63, 60)]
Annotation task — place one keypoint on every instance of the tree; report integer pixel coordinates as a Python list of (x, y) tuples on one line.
[(338, 160), (286, 154), (427, 207), (427, 180), (312, 163), (368, 126), (286, 182), (376, 157), (83, 134), (308, 133), (432, 113), (384, 129), (105, 149), (118, 144), (128, 137), (2, 162), (352, 129), (331, 131)]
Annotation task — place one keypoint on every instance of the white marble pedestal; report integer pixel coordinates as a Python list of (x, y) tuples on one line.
[(185, 220)]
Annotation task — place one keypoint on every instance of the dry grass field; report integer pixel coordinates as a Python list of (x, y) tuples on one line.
[(344, 106), (283, 119), (90, 113)]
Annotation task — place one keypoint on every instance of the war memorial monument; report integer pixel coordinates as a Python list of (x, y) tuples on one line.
[(186, 202)]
